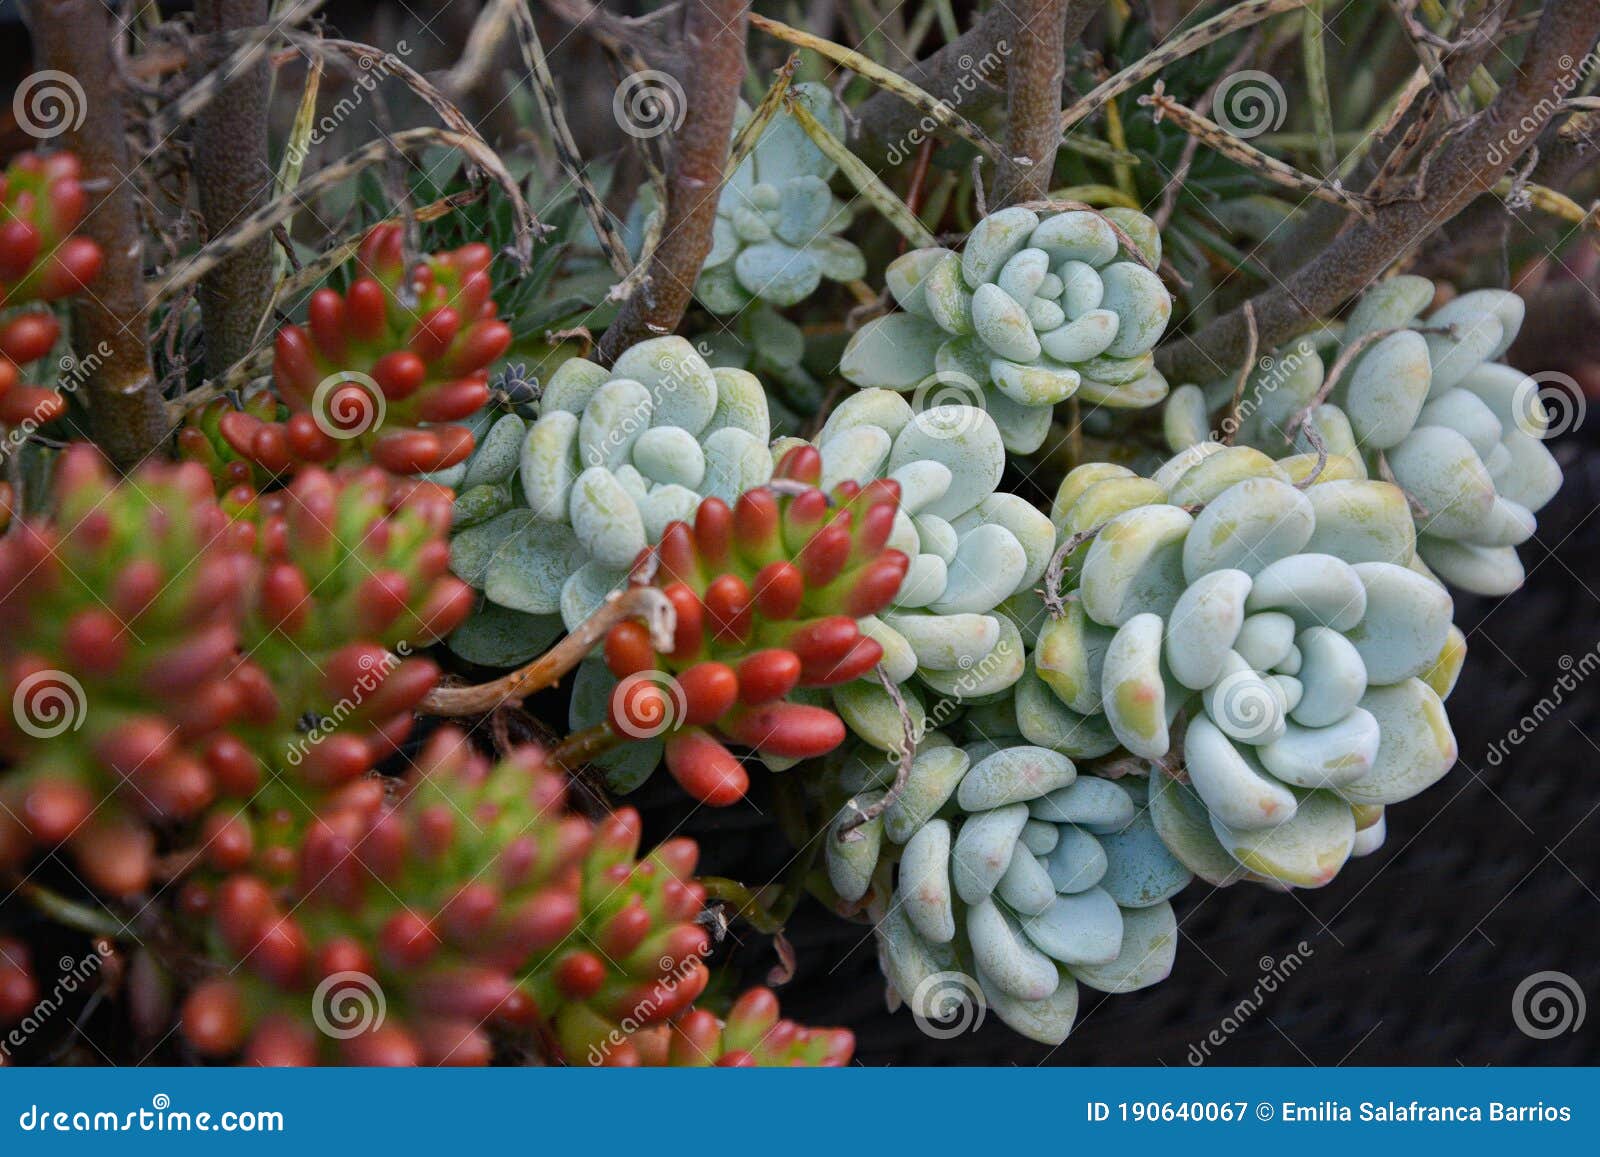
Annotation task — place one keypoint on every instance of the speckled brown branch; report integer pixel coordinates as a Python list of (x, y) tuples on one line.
[(233, 177), (126, 419), (1471, 163), (1033, 101), (714, 40)]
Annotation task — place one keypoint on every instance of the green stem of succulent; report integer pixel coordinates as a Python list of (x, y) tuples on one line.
[(584, 746), (746, 900)]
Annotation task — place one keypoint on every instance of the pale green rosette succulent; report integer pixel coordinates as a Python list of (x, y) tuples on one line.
[(947, 640), (1036, 308), (777, 224), (1427, 404), (1015, 879), (614, 456), (1275, 650)]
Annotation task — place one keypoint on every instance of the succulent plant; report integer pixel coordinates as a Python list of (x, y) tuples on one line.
[(776, 232), (1016, 879), (614, 457), (751, 1035), (200, 440), (122, 611), (406, 930), (1425, 403), (350, 576), (386, 369), (1272, 645), (973, 551), (1036, 308), (767, 597), (41, 260)]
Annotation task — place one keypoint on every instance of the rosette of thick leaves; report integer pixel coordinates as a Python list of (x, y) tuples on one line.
[(1017, 878), (752, 1035), (1430, 406), (1280, 643), (767, 596), (41, 203), (1036, 308), (775, 236), (122, 611), (384, 370), (974, 553), (414, 930), (553, 514)]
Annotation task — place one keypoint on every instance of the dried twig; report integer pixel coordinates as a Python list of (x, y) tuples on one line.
[(544, 85), (846, 832), (1230, 425), (1054, 573), (265, 219), (1215, 137), (1207, 32), (1464, 169), (636, 601)]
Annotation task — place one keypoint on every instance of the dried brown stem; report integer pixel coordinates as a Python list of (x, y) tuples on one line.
[(714, 39), (1231, 424), (847, 833), (637, 601), (1470, 164), (233, 177), (126, 416)]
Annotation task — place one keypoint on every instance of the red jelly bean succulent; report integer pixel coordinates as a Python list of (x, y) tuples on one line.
[(384, 370), (122, 612), (767, 595), (351, 572), (751, 1035), (422, 927), (41, 260)]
